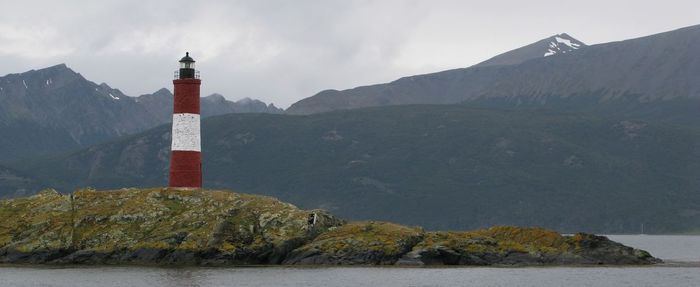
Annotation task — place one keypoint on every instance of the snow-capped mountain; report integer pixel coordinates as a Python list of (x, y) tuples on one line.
[(557, 44), (663, 66), (563, 43)]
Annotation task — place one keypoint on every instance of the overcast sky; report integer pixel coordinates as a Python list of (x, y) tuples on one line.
[(283, 51)]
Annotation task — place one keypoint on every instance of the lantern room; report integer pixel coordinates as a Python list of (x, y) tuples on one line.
[(187, 70)]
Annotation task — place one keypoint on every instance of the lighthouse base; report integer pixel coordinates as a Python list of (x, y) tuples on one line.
[(185, 170)]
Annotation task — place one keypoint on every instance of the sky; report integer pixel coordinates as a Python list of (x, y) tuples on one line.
[(284, 51)]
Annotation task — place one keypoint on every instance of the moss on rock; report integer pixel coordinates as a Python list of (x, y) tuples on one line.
[(41, 222), (226, 226), (210, 227), (359, 243), (508, 245)]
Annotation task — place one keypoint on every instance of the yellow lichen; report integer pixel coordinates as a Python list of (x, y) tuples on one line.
[(384, 237), (157, 218), (499, 239)]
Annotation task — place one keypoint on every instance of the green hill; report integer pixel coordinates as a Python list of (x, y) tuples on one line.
[(442, 167)]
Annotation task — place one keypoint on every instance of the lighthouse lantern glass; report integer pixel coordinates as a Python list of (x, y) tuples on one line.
[(186, 65)]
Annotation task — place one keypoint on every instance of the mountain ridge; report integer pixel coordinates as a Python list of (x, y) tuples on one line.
[(651, 68), (56, 109)]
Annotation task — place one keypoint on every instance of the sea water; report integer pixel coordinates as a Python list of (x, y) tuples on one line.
[(682, 251)]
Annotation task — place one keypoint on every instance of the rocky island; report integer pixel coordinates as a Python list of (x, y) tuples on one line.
[(161, 226)]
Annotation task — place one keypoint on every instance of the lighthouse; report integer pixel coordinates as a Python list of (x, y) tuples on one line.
[(186, 147)]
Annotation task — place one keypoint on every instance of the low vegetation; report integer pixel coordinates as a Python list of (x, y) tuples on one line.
[(162, 219), (359, 243), (195, 227)]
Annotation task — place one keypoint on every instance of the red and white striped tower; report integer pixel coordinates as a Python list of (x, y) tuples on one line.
[(186, 148)]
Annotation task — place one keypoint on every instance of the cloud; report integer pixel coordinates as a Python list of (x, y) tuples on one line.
[(32, 42)]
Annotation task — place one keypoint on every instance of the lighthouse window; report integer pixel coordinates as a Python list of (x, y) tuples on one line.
[(186, 65)]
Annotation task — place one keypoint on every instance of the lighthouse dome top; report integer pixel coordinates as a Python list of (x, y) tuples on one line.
[(187, 58)]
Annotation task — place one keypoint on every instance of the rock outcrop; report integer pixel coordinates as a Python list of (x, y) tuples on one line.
[(377, 243), (192, 227), (380, 243), (505, 245), (154, 226)]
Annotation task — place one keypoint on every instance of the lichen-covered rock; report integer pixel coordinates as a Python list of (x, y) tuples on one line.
[(40, 224), (200, 227), (376, 243), (506, 245), (154, 226)]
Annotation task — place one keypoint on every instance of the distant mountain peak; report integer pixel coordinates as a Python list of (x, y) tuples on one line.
[(245, 100), (163, 91), (52, 70), (556, 44), (215, 98), (562, 43), (61, 66)]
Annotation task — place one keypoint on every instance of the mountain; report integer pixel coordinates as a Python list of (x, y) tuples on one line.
[(216, 104), (56, 109), (212, 105), (653, 68), (154, 104), (557, 44), (439, 166)]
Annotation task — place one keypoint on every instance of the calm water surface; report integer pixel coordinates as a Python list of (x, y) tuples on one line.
[(667, 247), (672, 248)]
